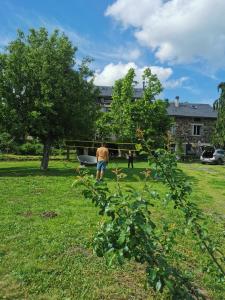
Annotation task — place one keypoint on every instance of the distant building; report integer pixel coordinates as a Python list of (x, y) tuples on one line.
[(105, 97), (193, 122)]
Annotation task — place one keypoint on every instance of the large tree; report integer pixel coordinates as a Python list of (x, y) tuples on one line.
[(42, 92), (146, 114), (149, 113), (219, 105), (122, 98), (117, 121)]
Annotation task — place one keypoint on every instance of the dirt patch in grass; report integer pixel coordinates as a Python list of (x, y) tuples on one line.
[(49, 214), (46, 214), (10, 289)]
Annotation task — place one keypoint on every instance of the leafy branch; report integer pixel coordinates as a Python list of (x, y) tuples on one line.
[(165, 166), (129, 231)]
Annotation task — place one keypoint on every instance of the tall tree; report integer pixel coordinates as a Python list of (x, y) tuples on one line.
[(122, 98), (152, 85), (42, 92), (152, 119), (219, 105), (117, 121), (129, 114), (149, 114), (104, 126)]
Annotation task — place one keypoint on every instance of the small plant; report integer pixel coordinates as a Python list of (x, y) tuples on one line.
[(31, 148), (129, 231)]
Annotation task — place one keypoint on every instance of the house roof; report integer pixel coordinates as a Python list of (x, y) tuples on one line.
[(106, 91), (184, 109), (192, 110)]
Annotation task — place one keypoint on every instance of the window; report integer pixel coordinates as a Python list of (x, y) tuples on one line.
[(220, 152), (196, 129)]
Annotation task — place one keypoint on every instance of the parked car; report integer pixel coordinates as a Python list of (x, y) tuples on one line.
[(213, 156)]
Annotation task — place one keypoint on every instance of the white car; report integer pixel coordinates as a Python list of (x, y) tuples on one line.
[(213, 156)]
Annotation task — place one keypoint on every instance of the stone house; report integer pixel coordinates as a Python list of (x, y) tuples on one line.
[(193, 123)]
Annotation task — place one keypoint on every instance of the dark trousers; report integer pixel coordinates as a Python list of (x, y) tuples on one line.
[(130, 162)]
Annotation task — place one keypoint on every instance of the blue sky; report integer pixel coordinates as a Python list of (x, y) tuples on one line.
[(182, 41)]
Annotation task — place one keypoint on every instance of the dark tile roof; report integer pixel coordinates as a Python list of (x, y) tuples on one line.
[(192, 110), (106, 91), (185, 109)]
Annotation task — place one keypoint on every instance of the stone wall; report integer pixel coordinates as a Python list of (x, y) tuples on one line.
[(184, 129)]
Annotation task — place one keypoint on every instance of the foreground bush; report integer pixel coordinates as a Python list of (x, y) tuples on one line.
[(130, 231)]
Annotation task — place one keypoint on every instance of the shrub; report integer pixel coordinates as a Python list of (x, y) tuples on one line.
[(31, 148)]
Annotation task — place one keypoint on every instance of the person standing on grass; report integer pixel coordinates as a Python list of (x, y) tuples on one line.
[(102, 155), (130, 159)]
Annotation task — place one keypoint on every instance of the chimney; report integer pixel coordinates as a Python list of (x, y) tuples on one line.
[(176, 102)]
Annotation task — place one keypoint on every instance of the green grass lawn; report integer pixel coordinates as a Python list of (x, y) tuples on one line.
[(44, 256)]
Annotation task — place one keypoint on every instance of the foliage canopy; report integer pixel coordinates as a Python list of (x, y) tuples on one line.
[(42, 91), (128, 114)]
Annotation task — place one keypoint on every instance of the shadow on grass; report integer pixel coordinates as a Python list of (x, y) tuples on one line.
[(31, 171), (132, 174)]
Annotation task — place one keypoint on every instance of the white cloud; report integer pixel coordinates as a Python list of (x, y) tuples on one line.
[(178, 31), (174, 83), (124, 53), (112, 72)]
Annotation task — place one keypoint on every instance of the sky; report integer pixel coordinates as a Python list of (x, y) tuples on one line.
[(182, 41)]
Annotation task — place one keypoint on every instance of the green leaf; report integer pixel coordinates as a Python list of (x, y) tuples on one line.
[(169, 284), (146, 228), (111, 259), (138, 147), (122, 237)]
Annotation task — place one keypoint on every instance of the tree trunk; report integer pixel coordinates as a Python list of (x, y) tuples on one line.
[(46, 153)]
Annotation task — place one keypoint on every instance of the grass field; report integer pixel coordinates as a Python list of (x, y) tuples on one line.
[(46, 231)]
